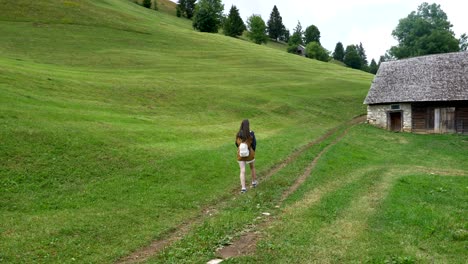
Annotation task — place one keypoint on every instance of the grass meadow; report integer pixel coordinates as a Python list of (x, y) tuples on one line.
[(118, 122), (377, 197), (366, 201)]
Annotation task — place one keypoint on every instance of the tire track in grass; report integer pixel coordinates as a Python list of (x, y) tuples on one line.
[(183, 229), (245, 243), (353, 222), (314, 196), (336, 238), (312, 165)]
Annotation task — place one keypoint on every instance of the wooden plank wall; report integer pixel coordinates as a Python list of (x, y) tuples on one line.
[(419, 116), (423, 116), (422, 119), (461, 120)]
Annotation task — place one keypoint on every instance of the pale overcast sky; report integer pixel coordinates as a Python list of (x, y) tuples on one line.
[(351, 21)]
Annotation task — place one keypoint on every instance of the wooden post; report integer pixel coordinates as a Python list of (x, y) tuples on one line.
[(437, 120)]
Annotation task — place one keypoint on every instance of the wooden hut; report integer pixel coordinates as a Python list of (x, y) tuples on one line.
[(301, 50), (427, 94)]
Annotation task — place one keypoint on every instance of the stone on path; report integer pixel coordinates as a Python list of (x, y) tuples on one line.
[(214, 261)]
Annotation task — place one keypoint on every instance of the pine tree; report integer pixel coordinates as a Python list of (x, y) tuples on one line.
[(339, 52), (296, 38), (181, 8), (463, 42), (352, 58), (285, 36), (381, 59), (186, 8), (373, 68), (233, 26), (190, 8), (363, 56), (275, 25)]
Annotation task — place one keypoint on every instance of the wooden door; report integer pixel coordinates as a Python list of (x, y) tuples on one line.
[(444, 120), (448, 119), (395, 121)]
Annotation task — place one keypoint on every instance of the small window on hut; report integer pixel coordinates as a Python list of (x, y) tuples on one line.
[(395, 107)]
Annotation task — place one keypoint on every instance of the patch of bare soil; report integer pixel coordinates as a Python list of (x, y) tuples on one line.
[(157, 245), (245, 245)]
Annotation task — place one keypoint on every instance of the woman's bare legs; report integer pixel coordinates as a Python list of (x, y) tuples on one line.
[(252, 169), (242, 174)]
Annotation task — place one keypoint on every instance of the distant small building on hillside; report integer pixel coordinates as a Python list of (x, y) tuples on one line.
[(301, 50), (427, 94)]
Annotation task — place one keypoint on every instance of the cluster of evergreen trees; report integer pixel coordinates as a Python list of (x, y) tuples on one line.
[(355, 57), (207, 17), (426, 31)]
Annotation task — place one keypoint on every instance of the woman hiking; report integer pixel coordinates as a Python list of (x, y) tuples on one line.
[(246, 144)]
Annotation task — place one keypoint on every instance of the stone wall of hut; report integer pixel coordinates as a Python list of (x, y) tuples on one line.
[(377, 115)]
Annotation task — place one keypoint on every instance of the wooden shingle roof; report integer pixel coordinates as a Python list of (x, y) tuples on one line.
[(441, 77)]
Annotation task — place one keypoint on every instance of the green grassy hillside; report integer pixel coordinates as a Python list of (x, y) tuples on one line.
[(118, 122)]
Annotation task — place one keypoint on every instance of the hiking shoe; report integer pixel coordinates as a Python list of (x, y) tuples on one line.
[(243, 190), (254, 184)]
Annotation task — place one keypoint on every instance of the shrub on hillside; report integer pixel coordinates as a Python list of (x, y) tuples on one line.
[(208, 15), (292, 48), (146, 3), (257, 29), (315, 51)]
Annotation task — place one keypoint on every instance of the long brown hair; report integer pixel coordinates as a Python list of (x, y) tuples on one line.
[(244, 130)]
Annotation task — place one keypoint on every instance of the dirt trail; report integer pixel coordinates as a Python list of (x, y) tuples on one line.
[(246, 243)]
